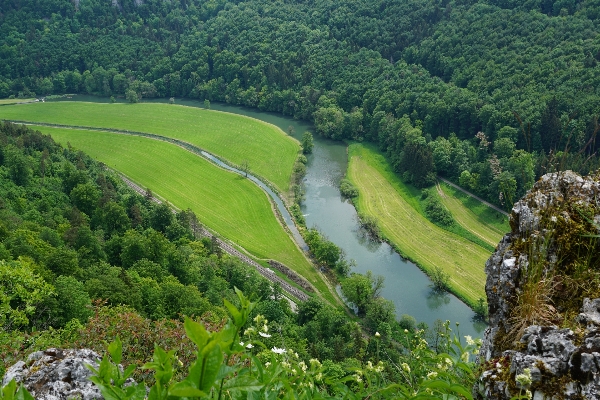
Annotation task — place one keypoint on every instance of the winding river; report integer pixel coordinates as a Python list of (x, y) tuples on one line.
[(405, 284)]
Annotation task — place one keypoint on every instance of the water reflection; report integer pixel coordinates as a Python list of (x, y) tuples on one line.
[(437, 299)]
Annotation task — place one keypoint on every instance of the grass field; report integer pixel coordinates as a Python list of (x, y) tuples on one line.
[(396, 205), (225, 202), (479, 219), (269, 151)]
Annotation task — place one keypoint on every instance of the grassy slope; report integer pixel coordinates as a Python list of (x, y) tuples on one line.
[(225, 202), (395, 206), (476, 217), (270, 152)]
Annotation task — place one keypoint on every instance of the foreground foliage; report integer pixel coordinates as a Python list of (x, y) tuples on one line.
[(235, 363)]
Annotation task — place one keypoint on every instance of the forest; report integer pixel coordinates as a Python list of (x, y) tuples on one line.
[(490, 94)]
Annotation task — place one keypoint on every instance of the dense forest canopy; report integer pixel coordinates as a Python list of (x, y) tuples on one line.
[(525, 74)]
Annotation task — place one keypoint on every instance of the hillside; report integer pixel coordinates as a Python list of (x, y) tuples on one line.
[(526, 75)]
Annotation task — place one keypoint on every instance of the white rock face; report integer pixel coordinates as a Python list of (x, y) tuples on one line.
[(550, 354), (57, 374)]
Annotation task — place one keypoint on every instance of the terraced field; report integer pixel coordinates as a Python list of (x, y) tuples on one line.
[(225, 202), (381, 195), (269, 152)]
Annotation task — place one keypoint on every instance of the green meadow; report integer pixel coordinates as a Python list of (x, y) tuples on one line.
[(396, 207), (225, 202), (269, 152), (479, 219)]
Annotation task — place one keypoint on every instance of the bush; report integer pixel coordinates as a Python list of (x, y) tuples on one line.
[(369, 223), (347, 189), (439, 279), (436, 212)]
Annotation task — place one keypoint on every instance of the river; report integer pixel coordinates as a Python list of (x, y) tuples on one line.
[(405, 284)]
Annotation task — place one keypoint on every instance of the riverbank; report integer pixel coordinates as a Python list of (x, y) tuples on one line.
[(384, 196)]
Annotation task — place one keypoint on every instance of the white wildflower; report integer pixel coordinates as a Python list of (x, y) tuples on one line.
[(369, 365), (315, 362), (303, 366), (469, 340), (267, 364), (524, 379), (377, 334), (319, 376), (277, 350), (465, 357), (265, 328), (249, 331), (432, 375), (265, 335), (358, 378), (249, 346)]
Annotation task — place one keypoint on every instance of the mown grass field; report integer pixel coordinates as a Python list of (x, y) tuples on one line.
[(395, 205), (479, 219), (225, 202), (269, 151)]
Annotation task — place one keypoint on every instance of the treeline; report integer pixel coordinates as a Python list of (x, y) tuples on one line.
[(524, 72)]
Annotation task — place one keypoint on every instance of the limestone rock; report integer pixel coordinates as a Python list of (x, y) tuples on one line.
[(57, 374), (566, 364)]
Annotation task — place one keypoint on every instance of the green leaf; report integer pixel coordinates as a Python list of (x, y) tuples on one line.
[(243, 383), (461, 390), (8, 391), (115, 349), (196, 333), (128, 372), (185, 389), (235, 313), (23, 394), (437, 384), (212, 364), (136, 392)]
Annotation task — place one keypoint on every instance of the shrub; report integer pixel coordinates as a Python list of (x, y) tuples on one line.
[(347, 189), (436, 212)]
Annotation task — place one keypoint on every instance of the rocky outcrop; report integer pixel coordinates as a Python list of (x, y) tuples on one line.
[(57, 374), (541, 277)]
